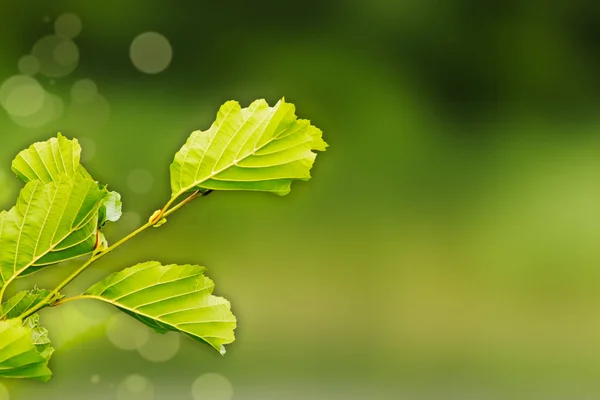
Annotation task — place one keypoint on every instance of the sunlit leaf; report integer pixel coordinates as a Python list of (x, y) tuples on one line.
[(24, 349), (170, 298), (50, 223), (48, 161), (257, 148), (21, 302)]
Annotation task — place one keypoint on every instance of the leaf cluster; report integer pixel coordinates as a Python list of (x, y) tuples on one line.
[(61, 211)]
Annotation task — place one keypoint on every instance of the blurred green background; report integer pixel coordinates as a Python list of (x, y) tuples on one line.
[(446, 248)]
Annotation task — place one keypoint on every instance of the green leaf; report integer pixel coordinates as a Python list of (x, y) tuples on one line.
[(50, 223), (39, 335), (170, 298), (258, 148), (111, 209), (48, 161), (24, 349), (22, 302)]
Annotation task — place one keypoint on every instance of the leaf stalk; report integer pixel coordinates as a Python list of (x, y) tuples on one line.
[(165, 212)]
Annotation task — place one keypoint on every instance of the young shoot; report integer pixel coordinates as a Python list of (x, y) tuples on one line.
[(61, 210)]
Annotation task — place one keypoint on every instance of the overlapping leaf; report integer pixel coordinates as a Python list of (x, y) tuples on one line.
[(257, 148), (12, 310), (22, 302), (170, 298), (58, 213), (50, 223), (47, 161), (24, 349)]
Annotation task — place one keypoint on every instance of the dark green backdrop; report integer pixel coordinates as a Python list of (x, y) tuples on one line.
[(447, 246)]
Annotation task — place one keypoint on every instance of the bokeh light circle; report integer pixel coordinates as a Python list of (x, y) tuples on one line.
[(135, 387), (4, 394), (66, 53), (5, 191), (130, 220), (92, 115), (68, 25), (140, 181), (52, 108), (88, 148), (160, 347), (151, 52), (24, 101), (95, 379), (21, 95), (126, 333), (84, 91), (28, 65), (58, 56), (212, 386), (68, 324)]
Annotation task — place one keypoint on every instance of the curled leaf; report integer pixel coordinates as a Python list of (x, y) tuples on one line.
[(170, 298), (24, 349)]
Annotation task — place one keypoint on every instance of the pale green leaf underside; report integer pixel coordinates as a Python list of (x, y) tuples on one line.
[(50, 223), (111, 209), (24, 349), (170, 298), (257, 148)]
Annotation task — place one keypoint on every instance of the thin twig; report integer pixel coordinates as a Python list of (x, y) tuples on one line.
[(48, 299)]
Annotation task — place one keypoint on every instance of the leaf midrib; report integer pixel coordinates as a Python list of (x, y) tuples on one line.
[(21, 231), (53, 246), (153, 318), (215, 173)]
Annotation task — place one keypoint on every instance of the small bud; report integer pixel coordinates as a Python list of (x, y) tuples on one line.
[(160, 223), (154, 219), (154, 216), (101, 243)]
